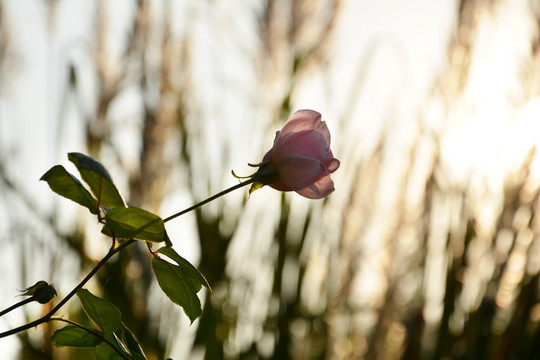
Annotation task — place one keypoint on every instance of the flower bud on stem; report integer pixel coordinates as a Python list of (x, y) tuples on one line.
[(112, 251)]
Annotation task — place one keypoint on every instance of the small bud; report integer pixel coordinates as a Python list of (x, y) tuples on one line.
[(32, 289), (45, 294), (41, 292)]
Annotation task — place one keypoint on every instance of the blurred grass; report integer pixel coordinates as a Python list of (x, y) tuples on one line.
[(405, 261)]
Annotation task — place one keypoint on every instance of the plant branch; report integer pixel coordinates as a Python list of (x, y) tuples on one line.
[(20, 303), (213, 197), (92, 332), (112, 251)]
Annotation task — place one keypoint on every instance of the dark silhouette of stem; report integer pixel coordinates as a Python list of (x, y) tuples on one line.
[(20, 303), (112, 251), (226, 191)]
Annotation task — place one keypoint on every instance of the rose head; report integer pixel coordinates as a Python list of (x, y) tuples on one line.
[(300, 159)]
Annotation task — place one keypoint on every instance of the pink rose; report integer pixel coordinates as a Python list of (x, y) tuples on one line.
[(301, 158)]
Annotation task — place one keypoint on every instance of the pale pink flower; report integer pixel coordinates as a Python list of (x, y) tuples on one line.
[(301, 156)]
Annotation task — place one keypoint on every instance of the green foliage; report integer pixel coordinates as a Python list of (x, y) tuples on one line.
[(104, 314), (180, 281), (105, 351), (64, 184), (120, 221), (135, 223), (132, 344), (76, 336), (107, 344), (255, 186), (94, 174), (98, 179)]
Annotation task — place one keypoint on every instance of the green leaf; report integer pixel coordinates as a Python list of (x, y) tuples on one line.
[(180, 281), (64, 184), (74, 336), (104, 351), (98, 179), (132, 344), (190, 270), (104, 314), (255, 186), (135, 223)]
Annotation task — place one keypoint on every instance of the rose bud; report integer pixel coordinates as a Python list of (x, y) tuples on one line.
[(300, 159)]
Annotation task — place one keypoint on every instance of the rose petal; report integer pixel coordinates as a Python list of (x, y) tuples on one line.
[(332, 164), (318, 190), (305, 143), (297, 172), (269, 154), (302, 120), (280, 185), (306, 120)]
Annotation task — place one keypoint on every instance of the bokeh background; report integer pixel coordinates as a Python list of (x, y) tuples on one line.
[(428, 249)]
